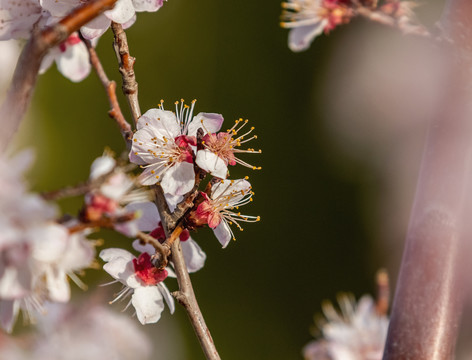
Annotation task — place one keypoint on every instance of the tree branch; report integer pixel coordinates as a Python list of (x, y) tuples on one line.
[(126, 62), (110, 87), (430, 289), (24, 79), (186, 297)]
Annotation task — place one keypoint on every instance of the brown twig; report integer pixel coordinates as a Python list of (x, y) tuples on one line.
[(104, 222), (24, 79), (186, 297), (126, 62), (162, 252), (69, 191), (110, 87)]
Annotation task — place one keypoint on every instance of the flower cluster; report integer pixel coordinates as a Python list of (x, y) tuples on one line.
[(173, 148), (309, 18), (18, 18), (358, 332), (37, 255)]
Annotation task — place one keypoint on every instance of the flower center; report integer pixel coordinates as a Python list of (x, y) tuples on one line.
[(146, 271), (226, 144), (98, 206)]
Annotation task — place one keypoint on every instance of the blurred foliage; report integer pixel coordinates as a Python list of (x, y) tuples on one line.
[(260, 294)]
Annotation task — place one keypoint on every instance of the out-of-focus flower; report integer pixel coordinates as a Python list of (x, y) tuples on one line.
[(309, 18), (18, 17), (124, 12), (116, 189), (220, 149), (149, 221), (358, 332), (163, 144), (53, 256), (141, 279), (92, 333), (215, 210), (71, 57), (36, 254)]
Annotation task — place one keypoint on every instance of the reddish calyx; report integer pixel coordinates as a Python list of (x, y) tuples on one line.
[(147, 272), (159, 234), (184, 142), (71, 40)]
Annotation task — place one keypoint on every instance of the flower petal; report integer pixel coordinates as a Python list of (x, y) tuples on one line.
[(18, 18), (179, 179), (148, 218), (193, 255), (223, 233), (300, 37), (209, 122), (101, 166), (147, 301), (161, 122), (148, 248), (8, 314), (122, 12), (96, 27), (240, 187), (59, 8), (74, 63), (167, 296), (212, 163), (147, 5), (57, 285)]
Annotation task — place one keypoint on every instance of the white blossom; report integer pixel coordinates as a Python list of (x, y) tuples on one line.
[(358, 332), (141, 280), (163, 142), (217, 209)]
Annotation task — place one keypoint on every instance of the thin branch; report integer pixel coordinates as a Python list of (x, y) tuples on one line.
[(162, 252), (110, 87), (69, 191), (126, 62), (186, 297), (104, 222), (24, 79)]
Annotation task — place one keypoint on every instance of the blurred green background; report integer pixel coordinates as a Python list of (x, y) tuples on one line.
[(320, 232)]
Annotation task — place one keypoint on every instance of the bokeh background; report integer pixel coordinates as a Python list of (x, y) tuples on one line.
[(341, 127)]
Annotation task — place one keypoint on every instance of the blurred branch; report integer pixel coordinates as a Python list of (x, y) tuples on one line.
[(110, 87), (430, 289), (126, 62), (24, 79), (70, 191)]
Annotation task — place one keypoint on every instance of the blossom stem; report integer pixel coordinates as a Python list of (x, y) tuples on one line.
[(161, 250), (430, 289), (126, 62), (110, 87), (22, 86), (186, 297)]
